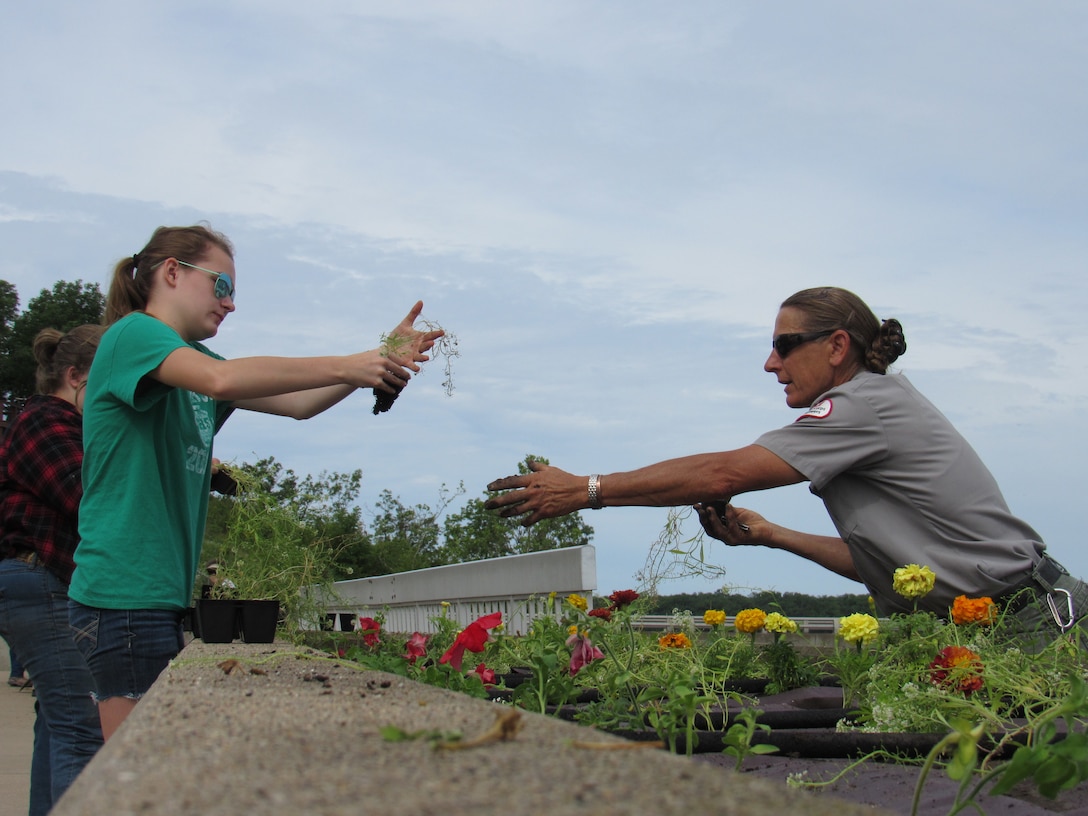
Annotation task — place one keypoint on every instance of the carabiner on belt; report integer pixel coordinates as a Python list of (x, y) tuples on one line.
[(1056, 612)]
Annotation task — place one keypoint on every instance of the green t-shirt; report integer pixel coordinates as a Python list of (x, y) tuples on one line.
[(146, 473)]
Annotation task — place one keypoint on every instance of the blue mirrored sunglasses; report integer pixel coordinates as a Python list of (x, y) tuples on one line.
[(224, 286)]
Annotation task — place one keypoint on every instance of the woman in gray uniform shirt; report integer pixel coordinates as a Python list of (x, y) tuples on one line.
[(900, 483)]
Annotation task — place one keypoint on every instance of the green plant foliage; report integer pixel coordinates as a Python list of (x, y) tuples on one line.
[(738, 737), (267, 551)]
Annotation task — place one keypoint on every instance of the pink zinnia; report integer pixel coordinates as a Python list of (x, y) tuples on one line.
[(582, 652), (416, 647)]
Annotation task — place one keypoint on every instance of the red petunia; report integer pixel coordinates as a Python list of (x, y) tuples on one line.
[(473, 638), (370, 628), (956, 668), (416, 647), (603, 613), (485, 674), (623, 597), (582, 653)]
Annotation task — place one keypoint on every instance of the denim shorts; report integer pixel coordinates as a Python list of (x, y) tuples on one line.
[(126, 649)]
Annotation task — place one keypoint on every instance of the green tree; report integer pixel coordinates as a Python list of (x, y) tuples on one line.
[(9, 308), (476, 533), (403, 538), (67, 305)]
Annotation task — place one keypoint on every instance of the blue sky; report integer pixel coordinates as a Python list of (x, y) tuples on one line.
[(605, 202)]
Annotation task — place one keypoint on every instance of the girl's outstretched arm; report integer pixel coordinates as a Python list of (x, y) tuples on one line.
[(299, 387)]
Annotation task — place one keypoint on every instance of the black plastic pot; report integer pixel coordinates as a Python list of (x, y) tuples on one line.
[(258, 620), (216, 620)]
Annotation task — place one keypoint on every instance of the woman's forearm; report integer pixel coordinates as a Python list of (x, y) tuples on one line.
[(829, 552)]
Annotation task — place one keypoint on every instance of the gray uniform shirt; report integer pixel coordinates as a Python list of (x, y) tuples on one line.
[(903, 487)]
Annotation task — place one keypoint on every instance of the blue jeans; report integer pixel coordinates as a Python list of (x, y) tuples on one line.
[(34, 621), (17, 668), (125, 649)]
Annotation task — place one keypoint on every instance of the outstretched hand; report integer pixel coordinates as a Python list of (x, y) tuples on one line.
[(544, 493), (736, 526), (407, 346)]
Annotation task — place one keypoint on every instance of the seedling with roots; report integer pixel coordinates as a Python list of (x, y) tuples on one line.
[(393, 344)]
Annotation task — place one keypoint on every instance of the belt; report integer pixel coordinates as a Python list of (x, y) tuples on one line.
[(27, 557), (1035, 588)]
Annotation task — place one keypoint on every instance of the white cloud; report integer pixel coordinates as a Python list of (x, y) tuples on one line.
[(606, 201)]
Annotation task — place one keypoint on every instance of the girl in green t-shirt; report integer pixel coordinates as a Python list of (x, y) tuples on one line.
[(155, 398)]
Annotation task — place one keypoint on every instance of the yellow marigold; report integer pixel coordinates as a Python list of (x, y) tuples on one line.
[(714, 617), (858, 628), (973, 610), (779, 624), (572, 630), (913, 581), (750, 621), (674, 640), (578, 602)]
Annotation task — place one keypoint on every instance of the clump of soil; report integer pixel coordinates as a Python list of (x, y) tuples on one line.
[(446, 347), (383, 400)]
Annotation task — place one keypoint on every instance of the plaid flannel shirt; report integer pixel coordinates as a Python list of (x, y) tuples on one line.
[(41, 457)]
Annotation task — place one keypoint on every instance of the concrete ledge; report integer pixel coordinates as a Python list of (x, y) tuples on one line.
[(291, 732)]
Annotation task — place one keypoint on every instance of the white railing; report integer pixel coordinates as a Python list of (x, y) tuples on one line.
[(519, 586)]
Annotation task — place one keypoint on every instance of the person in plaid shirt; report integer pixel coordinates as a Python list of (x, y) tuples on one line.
[(40, 488)]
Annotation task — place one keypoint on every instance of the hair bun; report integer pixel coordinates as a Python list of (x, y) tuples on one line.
[(892, 332)]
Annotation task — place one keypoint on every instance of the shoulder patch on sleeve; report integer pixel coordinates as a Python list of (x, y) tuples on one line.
[(821, 410)]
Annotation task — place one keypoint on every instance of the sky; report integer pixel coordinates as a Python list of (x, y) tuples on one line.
[(605, 202)]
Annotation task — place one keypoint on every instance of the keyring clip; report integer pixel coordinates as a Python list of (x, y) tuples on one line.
[(1057, 613)]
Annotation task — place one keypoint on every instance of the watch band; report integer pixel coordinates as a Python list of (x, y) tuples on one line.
[(595, 492)]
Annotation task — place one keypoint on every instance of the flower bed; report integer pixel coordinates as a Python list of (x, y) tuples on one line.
[(958, 692)]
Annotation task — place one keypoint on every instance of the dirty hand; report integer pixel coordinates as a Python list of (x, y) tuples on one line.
[(545, 493), (733, 525)]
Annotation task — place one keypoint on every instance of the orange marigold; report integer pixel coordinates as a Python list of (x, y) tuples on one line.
[(956, 668), (974, 610), (674, 640)]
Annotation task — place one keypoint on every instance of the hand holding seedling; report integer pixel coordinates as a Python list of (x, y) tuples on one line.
[(406, 347), (730, 524)]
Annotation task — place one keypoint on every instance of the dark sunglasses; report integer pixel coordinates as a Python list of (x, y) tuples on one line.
[(785, 343)]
